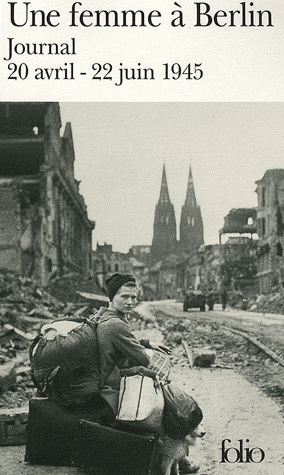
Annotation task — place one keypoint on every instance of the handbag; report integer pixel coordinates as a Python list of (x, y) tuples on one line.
[(141, 402), (181, 412)]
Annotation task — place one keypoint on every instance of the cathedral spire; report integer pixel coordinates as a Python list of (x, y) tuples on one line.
[(164, 192), (191, 224), (190, 199), (164, 238)]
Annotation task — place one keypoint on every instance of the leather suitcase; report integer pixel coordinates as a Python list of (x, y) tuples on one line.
[(107, 451), (52, 432)]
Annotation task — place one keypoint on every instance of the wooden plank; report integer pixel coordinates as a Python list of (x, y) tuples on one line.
[(188, 353), (257, 343)]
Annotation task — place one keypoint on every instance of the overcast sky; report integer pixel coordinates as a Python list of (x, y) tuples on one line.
[(120, 149)]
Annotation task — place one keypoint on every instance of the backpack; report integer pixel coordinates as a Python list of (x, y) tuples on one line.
[(66, 368)]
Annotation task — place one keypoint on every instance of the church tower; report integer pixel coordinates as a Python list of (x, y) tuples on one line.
[(191, 224), (164, 238)]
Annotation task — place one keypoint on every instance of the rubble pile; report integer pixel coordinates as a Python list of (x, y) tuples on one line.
[(233, 352), (209, 339), (204, 340), (66, 287), (24, 307), (22, 301), (264, 303), (269, 303)]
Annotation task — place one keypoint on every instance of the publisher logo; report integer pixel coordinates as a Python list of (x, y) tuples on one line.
[(241, 454)]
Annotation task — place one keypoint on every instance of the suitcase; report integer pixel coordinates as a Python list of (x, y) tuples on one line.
[(53, 431), (107, 451)]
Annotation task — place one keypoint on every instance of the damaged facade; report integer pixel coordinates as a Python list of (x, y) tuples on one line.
[(231, 264), (142, 253), (45, 230), (270, 222), (239, 221), (163, 279), (238, 253), (107, 262), (210, 257)]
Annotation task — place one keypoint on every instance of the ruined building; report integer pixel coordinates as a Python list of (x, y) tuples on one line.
[(107, 262), (45, 228), (270, 222), (239, 221), (164, 238), (238, 251), (191, 224)]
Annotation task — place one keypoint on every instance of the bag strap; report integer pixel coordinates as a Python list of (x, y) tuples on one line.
[(93, 321), (122, 394), (139, 397)]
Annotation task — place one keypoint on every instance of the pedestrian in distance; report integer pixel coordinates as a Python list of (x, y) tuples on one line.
[(224, 298)]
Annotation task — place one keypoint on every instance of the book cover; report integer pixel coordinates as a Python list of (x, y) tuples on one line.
[(151, 134)]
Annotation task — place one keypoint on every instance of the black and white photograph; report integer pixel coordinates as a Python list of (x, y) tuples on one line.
[(141, 288)]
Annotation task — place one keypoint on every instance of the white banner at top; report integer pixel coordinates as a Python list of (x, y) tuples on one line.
[(142, 51)]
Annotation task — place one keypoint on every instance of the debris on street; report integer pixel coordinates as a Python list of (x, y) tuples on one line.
[(266, 303), (233, 351), (203, 358)]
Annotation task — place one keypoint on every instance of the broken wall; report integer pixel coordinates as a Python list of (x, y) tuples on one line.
[(45, 227), (10, 257)]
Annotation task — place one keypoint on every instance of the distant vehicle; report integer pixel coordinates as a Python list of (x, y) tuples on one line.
[(194, 299)]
